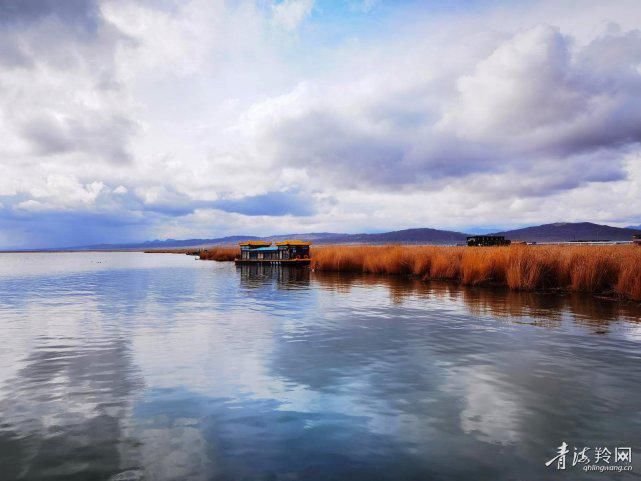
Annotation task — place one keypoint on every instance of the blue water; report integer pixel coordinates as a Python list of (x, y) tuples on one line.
[(130, 366)]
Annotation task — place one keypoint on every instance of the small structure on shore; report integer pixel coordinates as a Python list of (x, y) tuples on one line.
[(289, 252), (636, 239), (487, 240)]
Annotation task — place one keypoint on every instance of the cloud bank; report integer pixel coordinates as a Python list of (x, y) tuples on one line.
[(126, 120)]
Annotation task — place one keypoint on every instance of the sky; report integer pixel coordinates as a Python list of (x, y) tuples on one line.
[(131, 120)]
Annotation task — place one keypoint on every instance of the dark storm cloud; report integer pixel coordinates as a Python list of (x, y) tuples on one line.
[(606, 81), (69, 228), (169, 203), (115, 218), (111, 218), (276, 204), (23, 43), (355, 159), (271, 203), (73, 102), (12, 54), (324, 142), (82, 14), (392, 157), (97, 133)]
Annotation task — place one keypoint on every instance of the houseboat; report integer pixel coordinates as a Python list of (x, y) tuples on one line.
[(487, 240), (636, 239), (288, 252)]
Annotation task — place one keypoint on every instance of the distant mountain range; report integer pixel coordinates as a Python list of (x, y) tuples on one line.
[(408, 236), (571, 231), (558, 232)]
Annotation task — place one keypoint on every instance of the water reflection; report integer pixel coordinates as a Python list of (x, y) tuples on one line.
[(544, 309), (67, 405), (259, 275), (164, 368)]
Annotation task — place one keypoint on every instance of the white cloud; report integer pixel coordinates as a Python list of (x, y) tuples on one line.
[(524, 85), (289, 14), (530, 105), (34, 206)]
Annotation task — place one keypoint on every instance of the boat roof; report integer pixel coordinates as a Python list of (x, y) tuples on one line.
[(293, 242), (255, 243)]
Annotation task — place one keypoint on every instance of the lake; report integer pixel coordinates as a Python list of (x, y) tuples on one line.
[(131, 366)]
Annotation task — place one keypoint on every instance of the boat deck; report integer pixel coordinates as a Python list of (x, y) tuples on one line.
[(288, 262)]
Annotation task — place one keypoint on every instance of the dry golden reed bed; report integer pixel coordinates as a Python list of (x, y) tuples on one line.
[(612, 269), (224, 253)]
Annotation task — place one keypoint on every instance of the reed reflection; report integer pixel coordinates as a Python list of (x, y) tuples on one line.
[(541, 309)]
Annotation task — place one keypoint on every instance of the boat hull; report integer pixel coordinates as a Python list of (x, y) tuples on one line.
[(283, 262)]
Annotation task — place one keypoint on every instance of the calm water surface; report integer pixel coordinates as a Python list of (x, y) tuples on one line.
[(128, 366)]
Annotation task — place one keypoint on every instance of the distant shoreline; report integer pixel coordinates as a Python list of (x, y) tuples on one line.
[(62, 251)]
